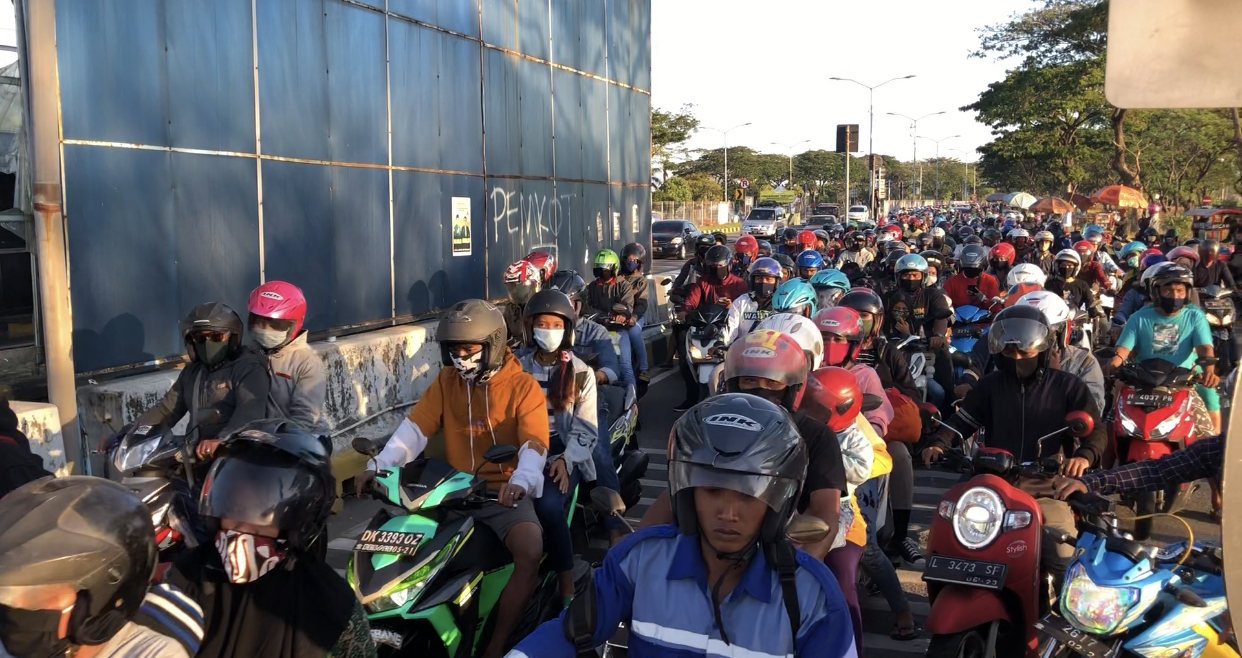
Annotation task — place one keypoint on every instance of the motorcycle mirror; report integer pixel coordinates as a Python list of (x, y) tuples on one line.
[(1080, 423), (665, 281), (365, 446), (1206, 361), (500, 453), (806, 530), (1187, 597), (871, 402), (607, 501)]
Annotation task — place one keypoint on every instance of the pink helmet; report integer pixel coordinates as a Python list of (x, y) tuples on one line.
[(280, 301)]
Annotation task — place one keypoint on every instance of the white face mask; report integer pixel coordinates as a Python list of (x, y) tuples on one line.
[(931, 280), (469, 366), (268, 338), (549, 340)]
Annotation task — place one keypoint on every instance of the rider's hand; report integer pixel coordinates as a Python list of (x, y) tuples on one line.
[(631, 321), (1075, 467), (619, 319), (560, 474), (601, 378), (363, 481), (931, 454), (725, 302), (961, 390), (1209, 378), (207, 447), (902, 327), (1065, 487), (935, 343), (510, 494), (1106, 368)]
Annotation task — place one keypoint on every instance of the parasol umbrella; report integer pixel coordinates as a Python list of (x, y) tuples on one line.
[(1053, 205), (996, 196), (1119, 196), (1081, 201), (1021, 200)]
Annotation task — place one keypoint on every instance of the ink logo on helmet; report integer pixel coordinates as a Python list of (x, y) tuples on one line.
[(272, 295), (829, 323), (759, 352), (735, 421)]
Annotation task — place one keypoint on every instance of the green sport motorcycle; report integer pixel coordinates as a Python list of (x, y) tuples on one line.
[(430, 580)]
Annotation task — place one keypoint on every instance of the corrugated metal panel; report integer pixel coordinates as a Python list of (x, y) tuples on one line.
[(535, 117), (293, 80), (620, 147), (357, 80), (460, 16), (502, 120), (619, 41), (533, 28), (641, 53), (594, 129), (593, 31), (461, 106), (416, 87), (359, 242), (428, 276), (568, 106), (638, 131), (210, 75), (566, 21), (500, 23)]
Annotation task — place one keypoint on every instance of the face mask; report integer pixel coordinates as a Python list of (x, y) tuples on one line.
[(743, 260), (31, 633), (1020, 368), (1066, 272), (718, 273), (1171, 304), (762, 291), (248, 557), (211, 353), (268, 338), (836, 354), (549, 340), (629, 266), (469, 366), (911, 285), (931, 280), (972, 272)]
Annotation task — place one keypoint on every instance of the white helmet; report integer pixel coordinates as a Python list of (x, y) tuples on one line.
[(1070, 254), (1025, 273), (937, 232), (802, 330), (1019, 233), (1055, 311)]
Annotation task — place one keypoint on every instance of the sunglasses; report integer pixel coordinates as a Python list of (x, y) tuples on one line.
[(201, 337)]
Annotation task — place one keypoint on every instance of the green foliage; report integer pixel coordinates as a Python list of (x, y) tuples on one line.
[(671, 129), (704, 188), (674, 189)]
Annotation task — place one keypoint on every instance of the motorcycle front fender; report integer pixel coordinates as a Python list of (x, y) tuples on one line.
[(958, 608), (1141, 450)]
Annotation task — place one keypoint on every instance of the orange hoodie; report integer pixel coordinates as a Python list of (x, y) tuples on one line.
[(508, 408)]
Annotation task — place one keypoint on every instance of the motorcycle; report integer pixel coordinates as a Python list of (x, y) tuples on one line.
[(970, 326), (430, 582), (1217, 302), (1152, 419), (620, 404), (1120, 595), (983, 564), (922, 362), (705, 347)]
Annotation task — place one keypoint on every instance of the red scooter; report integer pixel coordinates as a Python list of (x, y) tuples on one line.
[(1153, 418), (983, 563)]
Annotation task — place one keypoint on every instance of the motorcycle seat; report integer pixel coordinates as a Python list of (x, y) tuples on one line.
[(613, 400)]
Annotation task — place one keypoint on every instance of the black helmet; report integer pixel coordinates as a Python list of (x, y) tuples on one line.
[(570, 283), (91, 535), (474, 321), (1022, 326), (1210, 246), (973, 239), (891, 258), (1170, 274), (720, 237), (965, 232), (1171, 234), (790, 234), (991, 236), (924, 240), (973, 255), (863, 300), (739, 442), (765, 248), (272, 473), (787, 262), (934, 258), (551, 302), (208, 321), (636, 250), (702, 243), (717, 261), (821, 234)]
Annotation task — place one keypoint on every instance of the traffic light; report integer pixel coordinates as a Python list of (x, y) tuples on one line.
[(847, 138)]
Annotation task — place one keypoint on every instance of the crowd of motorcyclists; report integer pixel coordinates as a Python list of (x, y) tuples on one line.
[(815, 412)]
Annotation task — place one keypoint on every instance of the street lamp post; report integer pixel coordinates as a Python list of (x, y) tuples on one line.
[(871, 130), (790, 148), (937, 142), (914, 131), (973, 170), (726, 153)]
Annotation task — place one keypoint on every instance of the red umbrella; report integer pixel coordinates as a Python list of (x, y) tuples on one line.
[(1051, 204), (1119, 196)]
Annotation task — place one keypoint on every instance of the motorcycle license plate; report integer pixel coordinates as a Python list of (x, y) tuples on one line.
[(389, 541), (1080, 641), (1149, 399), (976, 573)]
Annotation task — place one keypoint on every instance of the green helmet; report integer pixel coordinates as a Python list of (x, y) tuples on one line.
[(606, 259)]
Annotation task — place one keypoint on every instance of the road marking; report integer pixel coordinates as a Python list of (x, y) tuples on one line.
[(930, 491), (662, 452), (653, 483), (658, 467), (662, 376)]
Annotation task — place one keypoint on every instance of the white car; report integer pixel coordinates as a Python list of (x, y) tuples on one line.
[(765, 222), (858, 214)]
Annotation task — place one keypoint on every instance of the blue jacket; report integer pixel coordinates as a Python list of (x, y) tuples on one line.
[(657, 581), (1133, 301)]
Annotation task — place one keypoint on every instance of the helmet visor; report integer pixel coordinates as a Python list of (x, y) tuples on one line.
[(771, 489), (1022, 334), (260, 489), (520, 292)]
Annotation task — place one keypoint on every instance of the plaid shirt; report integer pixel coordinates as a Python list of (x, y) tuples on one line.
[(1201, 459)]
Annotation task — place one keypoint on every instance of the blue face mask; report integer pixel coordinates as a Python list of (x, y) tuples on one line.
[(629, 266)]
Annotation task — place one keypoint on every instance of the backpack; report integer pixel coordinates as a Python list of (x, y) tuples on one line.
[(907, 424)]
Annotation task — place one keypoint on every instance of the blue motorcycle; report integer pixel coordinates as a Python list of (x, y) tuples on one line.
[(970, 324), (1121, 595)]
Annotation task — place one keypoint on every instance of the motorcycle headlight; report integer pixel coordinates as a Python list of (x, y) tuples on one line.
[(1127, 423), (1226, 320), (695, 352), (1213, 320), (412, 587), (127, 457), (1169, 424), (1095, 609), (977, 518)]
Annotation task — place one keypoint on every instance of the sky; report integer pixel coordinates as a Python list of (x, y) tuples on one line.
[(738, 65)]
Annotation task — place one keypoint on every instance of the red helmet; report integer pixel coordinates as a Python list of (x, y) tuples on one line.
[(1151, 252), (771, 355), (543, 261), (1183, 252), (747, 244), (280, 301), (833, 397), (1003, 251), (1015, 293), (521, 281), (839, 321), (807, 239), (1084, 249), (894, 231)]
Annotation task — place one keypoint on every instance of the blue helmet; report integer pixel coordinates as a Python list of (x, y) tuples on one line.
[(829, 287), (1135, 247), (810, 258), (795, 296), (910, 263)]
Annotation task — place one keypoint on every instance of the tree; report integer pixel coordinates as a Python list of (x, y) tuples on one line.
[(669, 133), (704, 187), (674, 189)]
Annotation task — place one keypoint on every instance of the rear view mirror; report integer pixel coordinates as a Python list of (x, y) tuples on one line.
[(871, 402), (806, 530), (1080, 423), (665, 281), (366, 446), (607, 501), (500, 453)]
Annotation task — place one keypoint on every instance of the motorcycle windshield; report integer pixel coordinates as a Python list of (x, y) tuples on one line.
[(971, 314)]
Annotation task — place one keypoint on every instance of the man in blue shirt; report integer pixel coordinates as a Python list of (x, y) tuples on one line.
[(1171, 330), (723, 580)]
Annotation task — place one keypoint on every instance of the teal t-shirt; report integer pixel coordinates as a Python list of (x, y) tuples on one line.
[(1149, 335)]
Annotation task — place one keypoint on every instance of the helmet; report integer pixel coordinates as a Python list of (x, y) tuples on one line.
[(806, 238), (568, 282), (795, 296), (544, 262), (522, 280), (279, 301), (704, 242), (924, 241), (771, 355), (1171, 273), (1043, 236), (973, 239), (748, 246), (1055, 311), (87, 534), (1150, 260), (863, 300), (1152, 271), (272, 473), (991, 236), (839, 321), (1149, 235), (790, 234), (203, 329), (1183, 252), (896, 245), (1170, 234), (1017, 291), (551, 302), (1025, 273), (739, 442), (894, 231), (1134, 247), (720, 237), (810, 258), (1211, 247), (801, 330), (787, 264), (716, 262), (474, 321), (606, 259), (1192, 242), (855, 238), (937, 232), (833, 397), (1084, 249), (762, 266), (765, 248), (869, 235), (973, 256), (1070, 256), (822, 236), (965, 232), (1003, 252), (829, 285), (1021, 326), (635, 251), (910, 263)]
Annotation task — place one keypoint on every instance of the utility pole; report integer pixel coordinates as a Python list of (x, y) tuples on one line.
[(871, 132), (726, 154), (789, 151), (914, 131)]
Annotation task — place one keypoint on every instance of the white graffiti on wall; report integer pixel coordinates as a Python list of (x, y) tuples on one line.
[(538, 217)]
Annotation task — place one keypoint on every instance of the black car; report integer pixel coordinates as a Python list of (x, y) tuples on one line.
[(673, 237)]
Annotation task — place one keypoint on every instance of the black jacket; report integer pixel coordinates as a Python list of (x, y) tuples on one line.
[(1076, 293), (892, 366), (18, 465), (237, 390), (1016, 414), (1215, 274)]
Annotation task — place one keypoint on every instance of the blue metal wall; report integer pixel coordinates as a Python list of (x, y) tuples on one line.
[(212, 144)]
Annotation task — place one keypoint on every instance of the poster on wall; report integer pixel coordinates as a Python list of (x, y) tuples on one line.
[(461, 226), (599, 226), (634, 219), (616, 225)]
